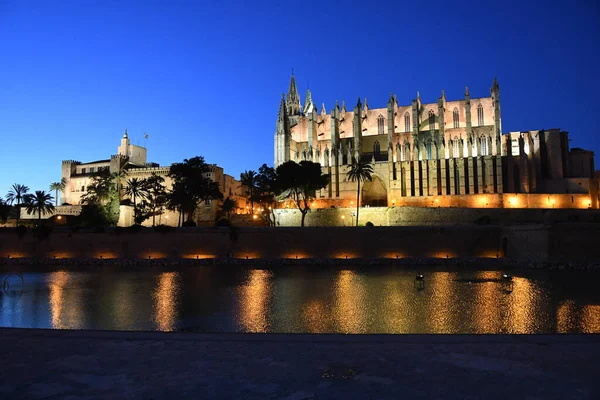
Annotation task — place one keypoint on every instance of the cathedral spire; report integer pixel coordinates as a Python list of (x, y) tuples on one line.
[(293, 98), (282, 115), (308, 103)]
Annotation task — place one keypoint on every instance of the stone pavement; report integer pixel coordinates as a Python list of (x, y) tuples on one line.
[(45, 364)]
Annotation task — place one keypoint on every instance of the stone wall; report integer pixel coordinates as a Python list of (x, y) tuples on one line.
[(420, 216), (564, 242)]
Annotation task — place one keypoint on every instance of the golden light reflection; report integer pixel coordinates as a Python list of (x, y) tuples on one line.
[(565, 317), (64, 314), (590, 318), (440, 302), (165, 301), (349, 308), (106, 255), (199, 256), (394, 308), (254, 301), (488, 305), (521, 306), (313, 314)]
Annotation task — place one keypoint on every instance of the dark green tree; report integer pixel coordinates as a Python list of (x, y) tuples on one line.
[(300, 182), (40, 203), (192, 185), (265, 192), (156, 195), (4, 211), (17, 193), (248, 179), (58, 187), (102, 198), (359, 171), (136, 189), (228, 206)]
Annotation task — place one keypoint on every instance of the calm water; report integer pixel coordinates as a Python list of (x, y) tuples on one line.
[(302, 299)]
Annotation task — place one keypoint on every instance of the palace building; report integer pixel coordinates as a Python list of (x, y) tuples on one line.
[(130, 160), (446, 154)]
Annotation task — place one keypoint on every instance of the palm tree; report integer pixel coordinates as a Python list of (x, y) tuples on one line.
[(249, 179), (39, 203), (136, 188), (228, 206), (56, 186), (359, 171), (17, 193), (118, 177)]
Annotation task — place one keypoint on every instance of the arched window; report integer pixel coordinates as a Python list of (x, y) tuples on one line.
[(455, 148), (480, 115), (431, 120), (455, 117), (407, 122), (405, 151), (380, 125), (484, 146), (428, 148), (376, 148)]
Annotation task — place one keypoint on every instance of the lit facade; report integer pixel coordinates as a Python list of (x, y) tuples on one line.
[(448, 154)]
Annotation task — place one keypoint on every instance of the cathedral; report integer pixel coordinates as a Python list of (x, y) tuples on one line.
[(446, 154)]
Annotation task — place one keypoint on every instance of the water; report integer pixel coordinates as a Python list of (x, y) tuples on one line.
[(304, 300)]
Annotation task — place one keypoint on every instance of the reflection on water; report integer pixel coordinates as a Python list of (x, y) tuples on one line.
[(165, 301), (313, 300), (254, 301)]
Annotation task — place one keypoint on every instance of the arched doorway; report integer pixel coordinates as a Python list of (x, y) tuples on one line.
[(374, 193)]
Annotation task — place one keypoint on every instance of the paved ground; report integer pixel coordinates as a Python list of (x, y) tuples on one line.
[(40, 364)]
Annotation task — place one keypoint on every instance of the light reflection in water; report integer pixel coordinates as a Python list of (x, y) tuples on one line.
[(305, 300), (65, 310), (254, 301), (166, 301), (349, 308)]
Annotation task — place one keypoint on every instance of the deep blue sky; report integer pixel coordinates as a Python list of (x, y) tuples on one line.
[(205, 78)]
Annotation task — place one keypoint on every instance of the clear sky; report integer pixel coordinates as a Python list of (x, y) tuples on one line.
[(206, 77)]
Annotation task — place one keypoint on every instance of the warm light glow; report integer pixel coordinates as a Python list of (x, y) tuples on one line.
[(351, 202), (343, 216), (166, 216), (65, 311), (350, 295), (165, 301), (254, 216), (59, 217), (254, 301), (313, 204), (437, 200), (512, 201)]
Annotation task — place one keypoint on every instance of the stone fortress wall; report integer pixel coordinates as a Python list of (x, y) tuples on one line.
[(561, 242)]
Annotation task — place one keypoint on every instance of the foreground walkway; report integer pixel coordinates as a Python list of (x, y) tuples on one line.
[(44, 364)]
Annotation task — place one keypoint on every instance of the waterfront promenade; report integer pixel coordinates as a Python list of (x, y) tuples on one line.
[(50, 364)]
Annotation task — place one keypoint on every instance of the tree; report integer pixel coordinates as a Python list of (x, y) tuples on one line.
[(248, 179), (228, 206), (17, 193), (136, 188), (360, 171), (102, 197), (4, 211), (40, 203), (118, 178), (156, 195), (58, 186), (265, 191), (191, 186), (300, 182)]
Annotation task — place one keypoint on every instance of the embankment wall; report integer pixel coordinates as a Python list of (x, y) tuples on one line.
[(574, 242)]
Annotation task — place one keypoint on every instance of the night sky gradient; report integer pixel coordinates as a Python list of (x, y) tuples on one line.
[(205, 78)]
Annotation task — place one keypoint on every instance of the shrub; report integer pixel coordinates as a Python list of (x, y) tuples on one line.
[(223, 222), (369, 223), (42, 232), (20, 230), (163, 228), (135, 228), (483, 220), (189, 224)]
